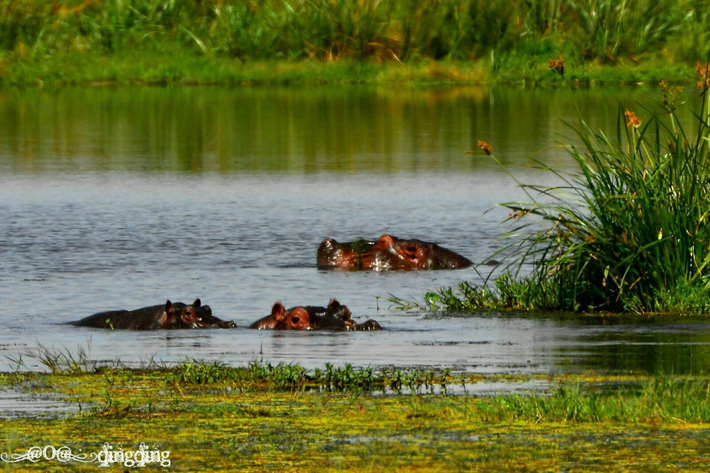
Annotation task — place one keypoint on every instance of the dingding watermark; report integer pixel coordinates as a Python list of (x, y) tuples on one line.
[(105, 457)]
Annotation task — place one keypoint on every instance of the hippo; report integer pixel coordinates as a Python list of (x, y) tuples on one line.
[(168, 316), (335, 317), (334, 309), (388, 253)]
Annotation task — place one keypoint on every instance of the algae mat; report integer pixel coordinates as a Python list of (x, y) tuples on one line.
[(223, 426)]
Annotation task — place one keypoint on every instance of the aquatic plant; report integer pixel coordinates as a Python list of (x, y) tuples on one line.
[(507, 293), (628, 232), (63, 361), (586, 422), (631, 227)]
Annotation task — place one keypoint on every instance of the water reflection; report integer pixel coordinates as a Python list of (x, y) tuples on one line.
[(305, 130), (660, 346)]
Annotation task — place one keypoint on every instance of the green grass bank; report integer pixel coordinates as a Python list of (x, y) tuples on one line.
[(363, 41), (208, 416)]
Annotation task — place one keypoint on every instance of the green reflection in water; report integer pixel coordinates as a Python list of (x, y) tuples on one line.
[(299, 129), (658, 345)]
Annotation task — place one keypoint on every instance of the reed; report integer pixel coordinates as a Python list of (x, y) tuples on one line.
[(631, 226), (629, 231)]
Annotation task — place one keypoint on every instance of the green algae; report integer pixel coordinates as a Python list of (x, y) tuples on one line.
[(581, 422)]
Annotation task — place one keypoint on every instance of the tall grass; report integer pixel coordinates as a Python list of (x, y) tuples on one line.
[(379, 30), (611, 30), (630, 231)]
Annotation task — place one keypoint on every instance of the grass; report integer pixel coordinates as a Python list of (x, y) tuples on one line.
[(237, 41), (255, 375), (628, 232), (635, 228), (210, 415), (506, 293)]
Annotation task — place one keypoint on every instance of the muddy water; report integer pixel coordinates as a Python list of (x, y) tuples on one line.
[(123, 198)]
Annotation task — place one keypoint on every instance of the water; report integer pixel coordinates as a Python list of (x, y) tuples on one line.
[(123, 198)]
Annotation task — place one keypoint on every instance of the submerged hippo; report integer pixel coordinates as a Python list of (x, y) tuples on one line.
[(334, 309), (168, 316), (334, 317), (387, 253)]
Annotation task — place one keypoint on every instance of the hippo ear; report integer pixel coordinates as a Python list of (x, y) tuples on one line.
[(333, 304), (168, 305), (346, 315), (197, 303), (278, 312), (385, 241)]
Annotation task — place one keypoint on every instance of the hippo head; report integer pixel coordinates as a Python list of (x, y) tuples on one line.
[(332, 254), (393, 253), (388, 253), (304, 318), (198, 316), (278, 319)]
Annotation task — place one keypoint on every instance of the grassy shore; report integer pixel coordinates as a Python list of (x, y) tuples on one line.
[(256, 417), (364, 41), (181, 69)]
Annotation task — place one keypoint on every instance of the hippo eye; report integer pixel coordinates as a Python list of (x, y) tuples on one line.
[(295, 320)]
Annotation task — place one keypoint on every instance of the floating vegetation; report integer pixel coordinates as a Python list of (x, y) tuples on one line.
[(260, 416)]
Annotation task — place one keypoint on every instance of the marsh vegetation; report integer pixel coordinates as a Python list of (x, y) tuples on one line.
[(628, 231), (234, 41), (261, 416)]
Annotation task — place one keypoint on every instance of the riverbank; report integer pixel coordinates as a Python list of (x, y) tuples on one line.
[(227, 42), (161, 70), (261, 416)]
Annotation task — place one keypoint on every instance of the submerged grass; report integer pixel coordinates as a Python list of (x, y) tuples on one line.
[(207, 416), (220, 40), (628, 232)]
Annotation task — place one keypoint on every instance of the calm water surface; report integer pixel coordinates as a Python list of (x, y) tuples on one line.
[(123, 198)]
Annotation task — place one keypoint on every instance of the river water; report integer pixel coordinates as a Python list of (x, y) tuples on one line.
[(119, 198)]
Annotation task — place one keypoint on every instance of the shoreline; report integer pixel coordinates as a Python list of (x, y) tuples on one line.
[(190, 71)]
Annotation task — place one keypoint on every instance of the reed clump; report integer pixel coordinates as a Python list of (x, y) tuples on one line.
[(630, 230)]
